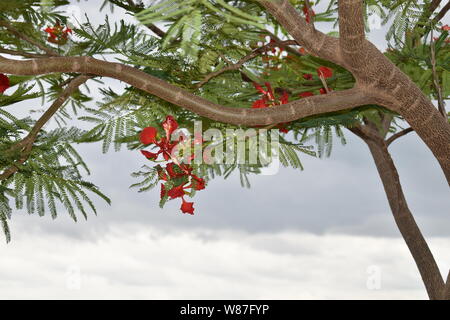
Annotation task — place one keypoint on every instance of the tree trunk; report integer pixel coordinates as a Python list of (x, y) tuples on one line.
[(404, 219)]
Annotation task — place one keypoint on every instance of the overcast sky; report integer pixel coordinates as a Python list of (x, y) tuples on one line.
[(325, 232)]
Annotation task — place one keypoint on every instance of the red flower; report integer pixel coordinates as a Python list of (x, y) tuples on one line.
[(170, 125), (284, 98), (282, 128), (307, 76), (306, 94), (148, 135), (149, 155), (68, 30), (198, 183), (176, 192), (51, 32), (187, 207), (171, 170), (446, 28), (258, 104), (325, 72), (4, 83), (302, 51), (323, 91)]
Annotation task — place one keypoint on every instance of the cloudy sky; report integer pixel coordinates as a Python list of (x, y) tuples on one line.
[(325, 232)]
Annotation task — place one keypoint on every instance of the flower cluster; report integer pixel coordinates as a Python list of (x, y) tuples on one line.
[(4, 83), (177, 178), (58, 34)]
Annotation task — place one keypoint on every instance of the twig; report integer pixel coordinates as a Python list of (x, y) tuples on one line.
[(398, 135), (310, 12), (440, 99), (23, 54), (24, 37), (241, 62), (442, 13), (25, 145)]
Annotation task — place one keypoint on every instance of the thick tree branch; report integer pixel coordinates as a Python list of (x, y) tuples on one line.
[(398, 135), (336, 101), (24, 37), (25, 146), (352, 38), (314, 41), (404, 219)]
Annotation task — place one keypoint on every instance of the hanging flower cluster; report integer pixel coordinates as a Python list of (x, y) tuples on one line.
[(4, 83), (58, 34), (176, 178)]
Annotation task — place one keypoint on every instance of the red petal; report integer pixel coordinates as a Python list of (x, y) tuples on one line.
[(325, 72), (199, 183), (306, 94), (170, 125), (148, 135), (149, 155), (187, 207), (284, 98), (323, 91), (4, 83), (259, 88), (176, 192), (258, 104), (307, 76)]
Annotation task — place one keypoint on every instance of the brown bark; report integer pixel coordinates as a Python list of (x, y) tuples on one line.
[(336, 101), (404, 219)]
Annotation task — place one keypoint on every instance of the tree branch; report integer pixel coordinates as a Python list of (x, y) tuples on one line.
[(442, 13), (404, 219), (398, 135), (314, 41), (23, 54), (25, 145), (24, 37), (336, 101)]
